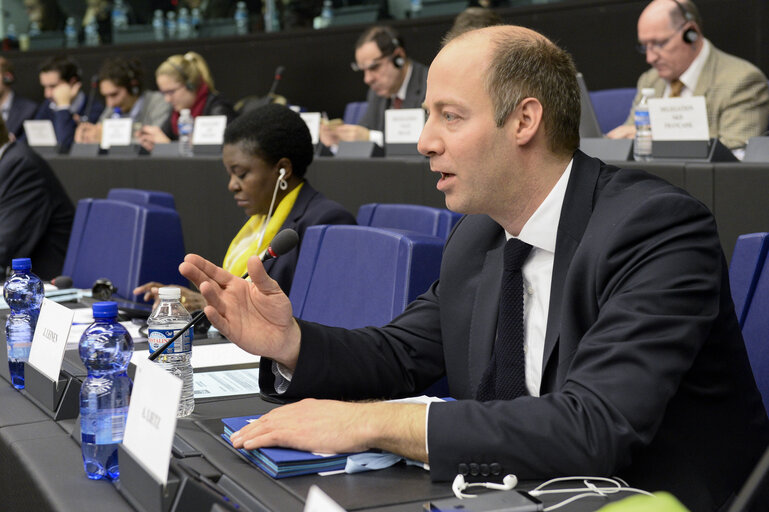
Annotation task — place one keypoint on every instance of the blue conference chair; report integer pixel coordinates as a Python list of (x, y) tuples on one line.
[(354, 111), (747, 261), (612, 106), (411, 217), (127, 243), (139, 196), (354, 276), (756, 333)]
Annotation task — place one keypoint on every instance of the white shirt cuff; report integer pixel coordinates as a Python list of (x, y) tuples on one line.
[(427, 421), (283, 377)]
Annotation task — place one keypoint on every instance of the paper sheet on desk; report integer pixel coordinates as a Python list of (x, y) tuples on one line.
[(212, 356), (84, 317), (226, 383)]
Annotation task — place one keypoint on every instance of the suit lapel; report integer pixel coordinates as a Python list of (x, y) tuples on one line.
[(575, 214), (483, 326), (705, 79)]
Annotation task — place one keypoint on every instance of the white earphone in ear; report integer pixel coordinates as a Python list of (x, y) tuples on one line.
[(282, 183), (459, 485)]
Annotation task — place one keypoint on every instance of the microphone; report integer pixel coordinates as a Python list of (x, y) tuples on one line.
[(62, 282), (281, 244), (278, 76), (91, 94)]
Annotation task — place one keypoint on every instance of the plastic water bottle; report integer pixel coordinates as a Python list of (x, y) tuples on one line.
[(70, 33), (185, 132), (642, 147), (106, 349), (415, 7), (159, 25), (92, 33), (271, 21), (23, 291), (241, 18), (183, 22), (116, 113), (119, 16), (195, 21), (166, 320), (34, 29), (326, 14), (171, 27)]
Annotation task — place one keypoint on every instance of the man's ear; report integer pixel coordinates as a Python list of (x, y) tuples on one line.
[(527, 119)]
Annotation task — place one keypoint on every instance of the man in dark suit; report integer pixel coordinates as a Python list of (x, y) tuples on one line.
[(35, 212), (65, 103), (394, 81), (15, 109), (625, 356)]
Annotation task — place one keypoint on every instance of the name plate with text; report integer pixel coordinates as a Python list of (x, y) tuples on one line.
[(404, 126), (50, 339), (312, 120), (679, 118), (40, 133), (151, 422), (116, 132), (209, 130)]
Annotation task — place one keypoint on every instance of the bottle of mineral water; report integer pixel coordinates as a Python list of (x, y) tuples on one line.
[(642, 146), (106, 349), (23, 291), (185, 132), (165, 321)]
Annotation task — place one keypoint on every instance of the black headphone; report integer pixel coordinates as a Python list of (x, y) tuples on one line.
[(398, 61), (8, 78), (186, 79), (690, 35), (135, 89)]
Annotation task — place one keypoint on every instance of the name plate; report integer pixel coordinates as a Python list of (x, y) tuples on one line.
[(312, 120), (679, 118), (50, 339), (151, 422), (40, 133), (116, 132), (209, 130), (404, 126)]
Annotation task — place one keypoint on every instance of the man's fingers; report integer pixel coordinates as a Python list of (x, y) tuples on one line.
[(264, 283)]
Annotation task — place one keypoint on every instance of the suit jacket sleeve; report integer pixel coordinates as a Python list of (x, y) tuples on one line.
[(738, 106)]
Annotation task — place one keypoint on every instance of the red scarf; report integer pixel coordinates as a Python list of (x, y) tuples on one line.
[(195, 111)]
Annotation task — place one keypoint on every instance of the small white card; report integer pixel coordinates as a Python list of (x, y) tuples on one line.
[(50, 338), (209, 130), (40, 132), (319, 501), (116, 132), (404, 125), (312, 120), (679, 118), (151, 422)]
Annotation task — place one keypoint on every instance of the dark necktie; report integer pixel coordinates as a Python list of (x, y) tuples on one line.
[(505, 377), (397, 102)]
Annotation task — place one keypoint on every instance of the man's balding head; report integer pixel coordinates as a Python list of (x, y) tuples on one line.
[(661, 31)]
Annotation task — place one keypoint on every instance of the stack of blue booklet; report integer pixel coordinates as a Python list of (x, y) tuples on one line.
[(283, 462)]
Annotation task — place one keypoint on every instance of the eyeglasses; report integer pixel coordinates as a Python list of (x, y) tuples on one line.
[(371, 67), (170, 92), (657, 46)]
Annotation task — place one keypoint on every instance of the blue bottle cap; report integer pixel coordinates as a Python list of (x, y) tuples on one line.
[(105, 309), (21, 264)]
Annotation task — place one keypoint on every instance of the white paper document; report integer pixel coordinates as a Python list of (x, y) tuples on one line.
[(226, 383), (211, 356)]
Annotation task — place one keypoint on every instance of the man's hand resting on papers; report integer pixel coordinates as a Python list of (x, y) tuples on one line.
[(328, 426), (255, 315)]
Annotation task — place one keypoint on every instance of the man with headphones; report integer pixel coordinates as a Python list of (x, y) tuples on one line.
[(15, 109), (65, 103), (394, 81), (120, 83), (684, 63)]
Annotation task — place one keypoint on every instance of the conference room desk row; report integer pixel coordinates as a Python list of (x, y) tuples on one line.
[(735, 192), (41, 468)]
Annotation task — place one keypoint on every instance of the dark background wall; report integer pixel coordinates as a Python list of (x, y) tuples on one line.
[(600, 34)]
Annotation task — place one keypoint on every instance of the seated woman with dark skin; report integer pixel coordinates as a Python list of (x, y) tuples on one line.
[(257, 147)]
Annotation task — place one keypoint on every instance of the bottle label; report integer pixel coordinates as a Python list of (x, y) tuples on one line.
[(104, 426), (159, 336), (642, 118)]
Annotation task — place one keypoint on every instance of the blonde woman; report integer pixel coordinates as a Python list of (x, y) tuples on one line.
[(185, 83)]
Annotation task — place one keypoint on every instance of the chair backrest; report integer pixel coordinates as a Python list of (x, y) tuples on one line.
[(412, 217), (139, 196), (354, 276), (756, 333), (746, 264), (127, 243), (354, 111), (612, 106)]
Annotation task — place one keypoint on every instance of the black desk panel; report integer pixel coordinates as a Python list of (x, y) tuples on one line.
[(735, 192)]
